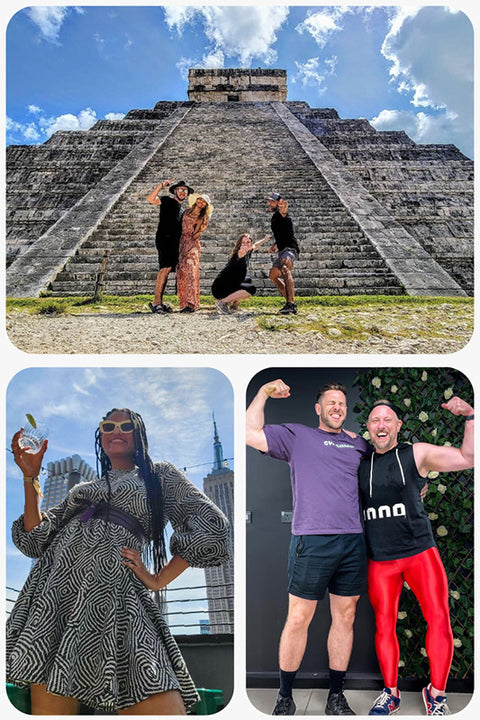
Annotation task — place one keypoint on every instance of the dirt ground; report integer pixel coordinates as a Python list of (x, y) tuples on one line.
[(431, 329)]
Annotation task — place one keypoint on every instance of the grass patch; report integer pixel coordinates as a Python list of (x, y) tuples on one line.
[(139, 303)]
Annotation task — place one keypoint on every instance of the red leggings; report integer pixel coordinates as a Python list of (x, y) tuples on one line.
[(426, 576)]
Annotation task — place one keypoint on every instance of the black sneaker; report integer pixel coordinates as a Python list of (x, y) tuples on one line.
[(187, 309), (288, 309), (162, 308), (284, 706), (337, 705)]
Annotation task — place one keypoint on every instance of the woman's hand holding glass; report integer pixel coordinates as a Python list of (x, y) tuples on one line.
[(29, 463)]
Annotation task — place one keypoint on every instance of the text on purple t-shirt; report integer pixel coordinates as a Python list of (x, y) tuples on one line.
[(324, 476)]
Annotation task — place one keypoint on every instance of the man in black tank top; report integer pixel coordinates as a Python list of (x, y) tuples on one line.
[(401, 546)]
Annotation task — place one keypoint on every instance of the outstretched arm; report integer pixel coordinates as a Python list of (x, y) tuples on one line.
[(448, 459), (255, 413), (256, 245)]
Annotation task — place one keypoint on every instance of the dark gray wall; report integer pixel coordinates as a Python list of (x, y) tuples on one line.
[(268, 494)]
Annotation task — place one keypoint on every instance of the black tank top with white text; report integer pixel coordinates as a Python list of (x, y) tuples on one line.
[(395, 521)]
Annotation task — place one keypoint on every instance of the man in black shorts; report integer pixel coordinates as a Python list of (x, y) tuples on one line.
[(327, 550), (287, 250), (168, 235)]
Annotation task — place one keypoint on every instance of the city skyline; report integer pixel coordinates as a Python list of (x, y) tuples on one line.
[(73, 400)]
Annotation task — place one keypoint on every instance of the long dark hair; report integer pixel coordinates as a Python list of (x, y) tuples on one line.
[(156, 553)]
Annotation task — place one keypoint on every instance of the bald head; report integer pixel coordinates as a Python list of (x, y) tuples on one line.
[(383, 425)]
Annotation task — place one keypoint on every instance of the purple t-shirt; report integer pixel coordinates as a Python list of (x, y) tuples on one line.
[(324, 475)]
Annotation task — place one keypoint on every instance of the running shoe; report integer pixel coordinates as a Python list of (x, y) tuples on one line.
[(288, 309), (187, 309), (337, 705), (222, 307), (385, 704), (435, 706), (284, 706)]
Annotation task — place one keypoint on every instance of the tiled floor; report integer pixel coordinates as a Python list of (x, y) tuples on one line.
[(312, 702)]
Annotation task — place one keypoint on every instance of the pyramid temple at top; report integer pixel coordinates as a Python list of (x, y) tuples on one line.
[(373, 212)]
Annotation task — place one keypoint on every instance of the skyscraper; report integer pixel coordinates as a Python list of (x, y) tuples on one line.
[(62, 476), (218, 486)]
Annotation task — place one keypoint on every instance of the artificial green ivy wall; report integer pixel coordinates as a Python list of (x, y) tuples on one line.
[(449, 502)]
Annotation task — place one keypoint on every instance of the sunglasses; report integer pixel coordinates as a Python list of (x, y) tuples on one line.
[(108, 426)]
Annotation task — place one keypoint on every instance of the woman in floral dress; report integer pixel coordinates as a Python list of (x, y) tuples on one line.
[(194, 222), (85, 627)]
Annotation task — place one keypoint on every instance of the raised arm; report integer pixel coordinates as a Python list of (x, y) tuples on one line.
[(30, 464), (153, 197), (255, 417), (448, 459)]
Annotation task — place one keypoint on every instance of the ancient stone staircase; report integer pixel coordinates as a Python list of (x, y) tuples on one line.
[(237, 153), (428, 189), (45, 181)]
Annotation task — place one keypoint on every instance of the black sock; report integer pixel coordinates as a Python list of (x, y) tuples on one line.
[(337, 678), (286, 682)]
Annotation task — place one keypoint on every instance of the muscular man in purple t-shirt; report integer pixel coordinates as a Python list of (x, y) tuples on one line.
[(327, 549)]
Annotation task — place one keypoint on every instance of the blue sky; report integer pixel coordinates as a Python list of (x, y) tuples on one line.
[(175, 403), (401, 67)]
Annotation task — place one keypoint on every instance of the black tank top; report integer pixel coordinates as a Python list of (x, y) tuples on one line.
[(396, 524)]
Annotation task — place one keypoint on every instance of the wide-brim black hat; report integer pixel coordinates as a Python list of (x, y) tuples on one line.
[(180, 183)]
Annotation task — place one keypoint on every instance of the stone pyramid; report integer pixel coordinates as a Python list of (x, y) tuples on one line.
[(373, 211)]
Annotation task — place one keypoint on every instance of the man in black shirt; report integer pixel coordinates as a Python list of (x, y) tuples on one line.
[(401, 545), (168, 235), (287, 250)]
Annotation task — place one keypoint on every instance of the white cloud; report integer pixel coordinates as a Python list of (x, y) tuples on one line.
[(315, 71), (233, 32), (84, 120), (114, 116), (34, 109), (422, 127), (49, 20), (44, 127), (322, 24), (431, 54)]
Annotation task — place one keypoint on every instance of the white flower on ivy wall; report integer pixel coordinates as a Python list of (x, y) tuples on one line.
[(433, 474), (423, 416), (376, 382), (447, 444), (455, 594), (408, 633), (424, 376), (366, 435), (442, 489), (442, 531), (432, 516), (457, 642), (394, 388), (406, 585), (402, 615), (407, 402), (401, 663), (434, 432), (423, 652), (448, 393)]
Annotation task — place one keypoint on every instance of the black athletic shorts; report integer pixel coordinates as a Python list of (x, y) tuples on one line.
[(317, 563), (167, 248)]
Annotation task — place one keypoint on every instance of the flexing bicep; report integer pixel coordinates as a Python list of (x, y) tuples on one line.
[(440, 458)]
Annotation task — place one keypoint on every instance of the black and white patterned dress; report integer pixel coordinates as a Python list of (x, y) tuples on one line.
[(84, 625)]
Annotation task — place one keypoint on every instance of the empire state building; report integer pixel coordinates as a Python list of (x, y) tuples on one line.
[(218, 486)]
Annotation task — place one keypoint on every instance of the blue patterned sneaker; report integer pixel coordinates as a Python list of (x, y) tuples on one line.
[(385, 704), (435, 706)]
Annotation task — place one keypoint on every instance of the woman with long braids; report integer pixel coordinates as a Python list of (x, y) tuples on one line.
[(194, 222), (85, 627)]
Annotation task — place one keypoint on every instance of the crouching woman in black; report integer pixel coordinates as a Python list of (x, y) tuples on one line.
[(232, 284), (85, 627)]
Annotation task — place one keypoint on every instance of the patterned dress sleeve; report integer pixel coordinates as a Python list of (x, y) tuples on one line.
[(33, 543), (201, 532)]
